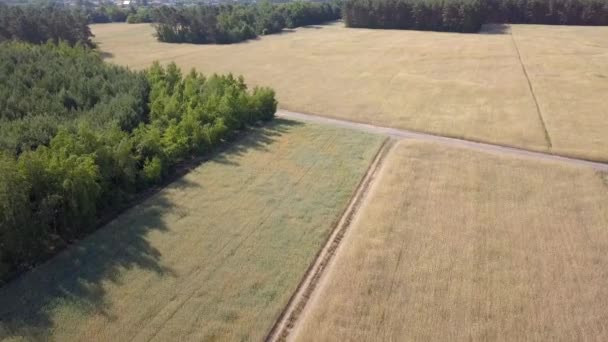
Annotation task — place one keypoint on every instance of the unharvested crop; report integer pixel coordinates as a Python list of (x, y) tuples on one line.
[(466, 86), (455, 244), (213, 256)]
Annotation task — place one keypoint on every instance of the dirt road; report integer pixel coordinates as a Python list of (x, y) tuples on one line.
[(290, 321), (288, 318), (405, 134)]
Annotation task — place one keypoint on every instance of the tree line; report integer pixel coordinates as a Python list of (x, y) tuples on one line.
[(114, 14), (470, 15), (41, 23), (81, 137), (37, 23), (234, 23), (434, 15), (552, 12)]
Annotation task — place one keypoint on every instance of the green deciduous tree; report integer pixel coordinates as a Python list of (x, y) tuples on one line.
[(41, 23), (234, 23), (80, 137)]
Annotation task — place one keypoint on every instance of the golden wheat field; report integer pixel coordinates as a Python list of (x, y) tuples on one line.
[(455, 245), (213, 256), (471, 86)]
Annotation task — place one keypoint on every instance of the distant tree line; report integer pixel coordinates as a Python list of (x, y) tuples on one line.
[(435, 15), (469, 15), (234, 23), (302, 13), (108, 14), (552, 12), (80, 137), (142, 15), (115, 14), (41, 23), (38, 23)]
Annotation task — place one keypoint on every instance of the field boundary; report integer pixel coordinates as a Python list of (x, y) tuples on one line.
[(444, 140), (538, 111), (288, 317)]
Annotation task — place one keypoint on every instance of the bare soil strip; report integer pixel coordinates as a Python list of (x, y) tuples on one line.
[(297, 303), (473, 145)]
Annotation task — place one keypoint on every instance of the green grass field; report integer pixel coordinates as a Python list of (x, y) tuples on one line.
[(213, 256)]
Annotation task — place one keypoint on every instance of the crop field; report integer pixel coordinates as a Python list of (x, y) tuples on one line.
[(471, 86), (454, 244), (213, 256), (569, 71)]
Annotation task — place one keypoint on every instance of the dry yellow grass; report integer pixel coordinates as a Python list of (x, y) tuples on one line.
[(214, 256), (568, 67), (462, 85), (457, 245)]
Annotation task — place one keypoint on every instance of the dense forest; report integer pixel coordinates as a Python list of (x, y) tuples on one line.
[(469, 15), (435, 15), (43, 88), (39, 24), (234, 23), (553, 12), (79, 138)]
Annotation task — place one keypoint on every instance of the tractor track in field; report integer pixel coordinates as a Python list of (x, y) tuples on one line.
[(450, 141), (539, 112), (297, 303)]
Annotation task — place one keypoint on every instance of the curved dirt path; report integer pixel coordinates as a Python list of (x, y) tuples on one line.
[(405, 134)]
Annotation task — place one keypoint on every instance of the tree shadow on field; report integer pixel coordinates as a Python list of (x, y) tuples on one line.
[(260, 37), (75, 279), (258, 139), (105, 54), (76, 274), (313, 27), (495, 29)]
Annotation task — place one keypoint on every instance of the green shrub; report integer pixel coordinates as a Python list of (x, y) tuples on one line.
[(153, 170)]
